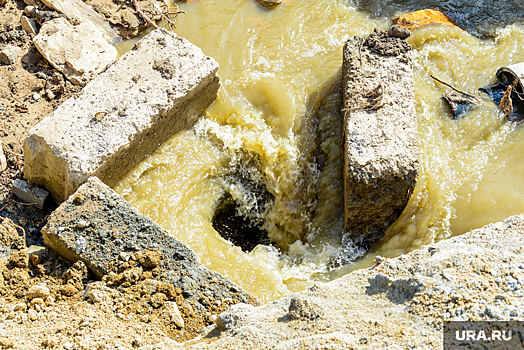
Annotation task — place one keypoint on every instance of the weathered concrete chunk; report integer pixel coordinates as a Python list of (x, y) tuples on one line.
[(235, 316), (381, 140), (80, 52), (172, 313), (159, 88), (29, 193), (114, 233), (78, 12), (9, 54)]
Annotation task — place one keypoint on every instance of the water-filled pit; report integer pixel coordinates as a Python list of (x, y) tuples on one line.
[(269, 150)]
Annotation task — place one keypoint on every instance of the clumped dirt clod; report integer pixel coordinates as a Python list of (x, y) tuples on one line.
[(387, 43)]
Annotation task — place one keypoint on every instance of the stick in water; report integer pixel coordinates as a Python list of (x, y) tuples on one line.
[(454, 88), (144, 17)]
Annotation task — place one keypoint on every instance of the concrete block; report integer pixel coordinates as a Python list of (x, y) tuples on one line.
[(80, 52), (9, 54), (99, 227), (381, 140), (29, 192), (159, 88), (78, 12)]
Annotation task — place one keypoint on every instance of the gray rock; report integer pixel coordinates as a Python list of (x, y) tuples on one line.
[(302, 308), (269, 4), (399, 32), (9, 54), (42, 16), (234, 317), (80, 52), (125, 223), (122, 116), (380, 134)]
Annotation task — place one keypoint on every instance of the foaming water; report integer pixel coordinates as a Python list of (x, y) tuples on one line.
[(277, 122)]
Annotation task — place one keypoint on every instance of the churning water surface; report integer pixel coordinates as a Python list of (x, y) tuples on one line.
[(277, 125)]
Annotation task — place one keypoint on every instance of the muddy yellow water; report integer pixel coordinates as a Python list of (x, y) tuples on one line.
[(277, 123)]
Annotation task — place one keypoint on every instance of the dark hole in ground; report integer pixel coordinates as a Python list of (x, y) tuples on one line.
[(244, 229)]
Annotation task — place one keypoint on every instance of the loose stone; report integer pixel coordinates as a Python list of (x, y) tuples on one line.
[(9, 54)]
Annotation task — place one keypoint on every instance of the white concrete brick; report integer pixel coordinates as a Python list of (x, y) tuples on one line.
[(155, 90)]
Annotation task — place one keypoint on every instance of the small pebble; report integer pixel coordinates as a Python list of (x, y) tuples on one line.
[(68, 346), (36, 96), (81, 224), (33, 314)]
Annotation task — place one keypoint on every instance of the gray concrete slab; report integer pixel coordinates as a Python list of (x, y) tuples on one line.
[(99, 227)]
